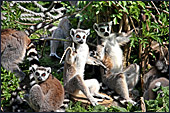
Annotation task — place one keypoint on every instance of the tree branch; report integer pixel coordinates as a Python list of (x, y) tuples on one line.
[(63, 16), (24, 23), (150, 7), (155, 7)]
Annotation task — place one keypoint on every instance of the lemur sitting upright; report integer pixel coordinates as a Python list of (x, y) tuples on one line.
[(62, 32), (46, 93), (110, 53), (75, 61)]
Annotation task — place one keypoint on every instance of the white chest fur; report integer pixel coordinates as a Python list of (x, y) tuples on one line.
[(81, 58), (114, 51)]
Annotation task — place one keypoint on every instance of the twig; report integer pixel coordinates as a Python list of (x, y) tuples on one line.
[(160, 22), (85, 7), (114, 5), (164, 56), (43, 49), (40, 6), (155, 7), (24, 23), (133, 25), (153, 16), (120, 26), (143, 104), (150, 7), (121, 7), (2, 109), (58, 39), (50, 7), (64, 16)]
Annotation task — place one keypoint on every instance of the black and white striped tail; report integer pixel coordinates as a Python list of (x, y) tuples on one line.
[(40, 25), (32, 56)]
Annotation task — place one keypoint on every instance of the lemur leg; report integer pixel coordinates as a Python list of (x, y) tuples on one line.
[(121, 86), (36, 97), (132, 75), (94, 88), (54, 45), (82, 86), (118, 83)]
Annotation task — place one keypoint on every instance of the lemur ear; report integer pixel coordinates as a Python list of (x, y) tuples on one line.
[(72, 32), (48, 69), (110, 23), (88, 32), (95, 27)]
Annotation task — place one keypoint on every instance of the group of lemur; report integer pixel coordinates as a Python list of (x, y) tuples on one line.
[(46, 92)]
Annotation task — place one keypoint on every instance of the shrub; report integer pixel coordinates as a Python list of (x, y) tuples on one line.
[(9, 83)]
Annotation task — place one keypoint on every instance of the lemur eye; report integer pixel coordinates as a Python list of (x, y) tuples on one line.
[(102, 30), (77, 36), (84, 37), (37, 74), (43, 74)]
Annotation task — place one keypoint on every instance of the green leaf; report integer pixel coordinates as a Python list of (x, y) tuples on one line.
[(141, 4)]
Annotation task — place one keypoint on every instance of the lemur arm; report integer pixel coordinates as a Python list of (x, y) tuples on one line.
[(70, 57), (99, 53), (94, 61), (124, 38)]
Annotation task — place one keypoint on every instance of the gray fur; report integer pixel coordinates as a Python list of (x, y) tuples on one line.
[(13, 49), (110, 53), (62, 32), (149, 94)]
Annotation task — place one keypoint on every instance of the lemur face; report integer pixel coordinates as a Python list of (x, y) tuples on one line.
[(41, 73), (103, 29), (79, 36)]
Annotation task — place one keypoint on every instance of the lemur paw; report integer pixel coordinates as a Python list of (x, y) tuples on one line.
[(94, 102), (54, 54), (132, 102)]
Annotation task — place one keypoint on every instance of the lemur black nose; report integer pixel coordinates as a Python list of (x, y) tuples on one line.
[(80, 42), (39, 79), (106, 34)]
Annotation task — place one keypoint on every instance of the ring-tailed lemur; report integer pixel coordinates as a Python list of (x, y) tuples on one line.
[(62, 32), (149, 93), (75, 61), (15, 45), (158, 75), (110, 53), (46, 93)]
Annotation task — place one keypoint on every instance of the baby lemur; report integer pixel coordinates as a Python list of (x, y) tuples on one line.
[(75, 61), (47, 93), (110, 53)]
